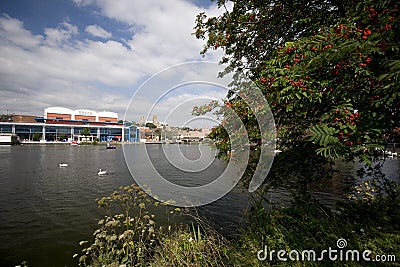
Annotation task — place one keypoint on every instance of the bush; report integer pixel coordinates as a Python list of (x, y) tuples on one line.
[(127, 237), (365, 226), (129, 234)]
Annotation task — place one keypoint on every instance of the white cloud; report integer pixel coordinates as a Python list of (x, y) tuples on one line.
[(12, 30), (83, 2), (163, 28), (58, 68), (178, 110), (174, 110), (60, 35), (97, 31)]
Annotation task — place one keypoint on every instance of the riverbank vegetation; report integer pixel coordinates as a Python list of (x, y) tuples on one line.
[(131, 235), (330, 72)]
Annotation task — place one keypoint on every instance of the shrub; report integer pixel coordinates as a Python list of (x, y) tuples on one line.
[(127, 237)]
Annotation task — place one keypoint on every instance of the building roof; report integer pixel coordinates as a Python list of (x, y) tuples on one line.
[(85, 112)]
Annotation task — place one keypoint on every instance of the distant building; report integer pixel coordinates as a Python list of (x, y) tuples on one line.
[(155, 120), (193, 135), (142, 121), (17, 118)]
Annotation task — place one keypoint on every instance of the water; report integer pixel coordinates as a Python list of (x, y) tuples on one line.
[(46, 210)]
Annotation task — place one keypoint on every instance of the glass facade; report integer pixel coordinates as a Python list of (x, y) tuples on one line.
[(132, 134), (55, 133), (5, 129), (29, 132), (63, 133)]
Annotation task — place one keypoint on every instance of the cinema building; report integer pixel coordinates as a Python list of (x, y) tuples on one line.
[(65, 125)]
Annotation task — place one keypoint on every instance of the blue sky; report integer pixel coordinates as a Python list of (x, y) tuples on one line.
[(93, 54)]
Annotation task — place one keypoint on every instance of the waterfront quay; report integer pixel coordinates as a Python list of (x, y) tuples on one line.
[(65, 126)]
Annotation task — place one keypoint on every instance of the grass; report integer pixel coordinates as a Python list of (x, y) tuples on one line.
[(373, 226), (191, 247), (134, 238)]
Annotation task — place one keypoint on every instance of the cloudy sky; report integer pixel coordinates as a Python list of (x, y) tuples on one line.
[(95, 54)]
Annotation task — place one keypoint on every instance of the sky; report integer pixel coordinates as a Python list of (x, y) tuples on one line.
[(95, 54)]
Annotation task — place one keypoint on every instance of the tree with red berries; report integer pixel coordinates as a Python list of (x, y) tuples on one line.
[(330, 71)]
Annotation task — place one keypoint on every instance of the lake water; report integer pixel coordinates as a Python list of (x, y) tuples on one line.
[(46, 210)]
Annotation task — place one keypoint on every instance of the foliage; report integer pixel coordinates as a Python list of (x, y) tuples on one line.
[(253, 29), (134, 238), (308, 225), (192, 247), (62, 136), (377, 185), (85, 131), (127, 237), (130, 234), (341, 84), (151, 125), (37, 136), (330, 73)]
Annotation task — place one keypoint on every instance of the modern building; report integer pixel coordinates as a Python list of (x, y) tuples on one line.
[(132, 132), (63, 124), (59, 124)]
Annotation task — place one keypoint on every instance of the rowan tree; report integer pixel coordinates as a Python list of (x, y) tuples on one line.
[(329, 70)]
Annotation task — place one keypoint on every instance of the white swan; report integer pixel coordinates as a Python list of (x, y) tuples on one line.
[(63, 165), (101, 172)]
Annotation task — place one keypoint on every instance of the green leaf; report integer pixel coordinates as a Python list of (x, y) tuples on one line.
[(367, 159), (323, 135)]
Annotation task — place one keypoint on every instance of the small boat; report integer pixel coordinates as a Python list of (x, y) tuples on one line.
[(110, 146), (63, 164), (74, 143), (101, 172)]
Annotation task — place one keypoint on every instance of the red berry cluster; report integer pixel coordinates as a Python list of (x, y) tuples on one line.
[(367, 32), (366, 62), (373, 15), (264, 80), (347, 117)]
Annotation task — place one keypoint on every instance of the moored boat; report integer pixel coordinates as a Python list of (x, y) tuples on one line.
[(110, 146)]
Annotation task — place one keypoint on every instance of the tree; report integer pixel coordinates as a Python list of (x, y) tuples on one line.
[(62, 136), (151, 125), (253, 29), (340, 86), (85, 131), (332, 83), (36, 136)]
